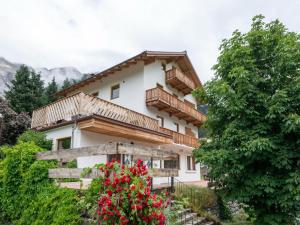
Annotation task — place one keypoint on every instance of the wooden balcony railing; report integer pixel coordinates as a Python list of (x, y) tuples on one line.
[(85, 105), (162, 100), (182, 139), (180, 81)]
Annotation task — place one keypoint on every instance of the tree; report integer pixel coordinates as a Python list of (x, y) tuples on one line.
[(253, 121), (50, 91), (66, 83), (26, 91), (12, 124)]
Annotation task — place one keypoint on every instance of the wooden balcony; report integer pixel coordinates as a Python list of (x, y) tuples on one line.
[(97, 115), (164, 101), (182, 139), (180, 81)]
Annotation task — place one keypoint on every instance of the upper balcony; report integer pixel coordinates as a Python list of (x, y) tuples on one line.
[(162, 100), (180, 81), (97, 115)]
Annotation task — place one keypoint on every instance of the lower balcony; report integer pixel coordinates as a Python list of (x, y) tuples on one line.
[(182, 139)]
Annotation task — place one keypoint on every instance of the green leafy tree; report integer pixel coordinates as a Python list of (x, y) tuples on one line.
[(26, 91), (12, 124), (50, 91), (253, 122), (38, 138)]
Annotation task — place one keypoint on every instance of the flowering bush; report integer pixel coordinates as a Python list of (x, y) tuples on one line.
[(125, 196)]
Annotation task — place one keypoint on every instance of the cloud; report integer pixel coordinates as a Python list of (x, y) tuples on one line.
[(95, 34)]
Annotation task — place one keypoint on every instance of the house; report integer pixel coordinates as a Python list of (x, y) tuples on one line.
[(144, 101)]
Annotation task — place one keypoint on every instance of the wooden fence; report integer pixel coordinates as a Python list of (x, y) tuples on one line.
[(84, 105), (165, 101)]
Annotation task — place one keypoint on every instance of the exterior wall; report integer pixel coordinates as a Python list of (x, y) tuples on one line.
[(133, 81)]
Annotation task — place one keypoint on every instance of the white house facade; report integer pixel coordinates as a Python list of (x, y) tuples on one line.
[(144, 101)]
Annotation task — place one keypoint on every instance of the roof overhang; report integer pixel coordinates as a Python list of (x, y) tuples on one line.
[(181, 58)]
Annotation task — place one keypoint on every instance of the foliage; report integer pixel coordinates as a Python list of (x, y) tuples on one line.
[(224, 211), (27, 195), (11, 123), (72, 164), (68, 83), (125, 196), (26, 91), (203, 198), (254, 121), (50, 91), (38, 138)]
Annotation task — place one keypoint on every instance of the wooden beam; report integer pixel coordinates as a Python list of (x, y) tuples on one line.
[(73, 173), (94, 173), (118, 129), (105, 149)]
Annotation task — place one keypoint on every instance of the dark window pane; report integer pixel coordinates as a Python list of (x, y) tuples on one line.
[(64, 143), (188, 162), (171, 164)]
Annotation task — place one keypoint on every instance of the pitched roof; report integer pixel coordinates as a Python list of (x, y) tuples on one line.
[(181, 58)]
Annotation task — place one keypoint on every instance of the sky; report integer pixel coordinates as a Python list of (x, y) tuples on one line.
[(93, 35)]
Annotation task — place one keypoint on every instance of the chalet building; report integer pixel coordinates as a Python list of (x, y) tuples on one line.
[(142, 103)]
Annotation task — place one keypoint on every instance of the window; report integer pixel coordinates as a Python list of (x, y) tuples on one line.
[(64, 143), (190, 163), (176, 127), (193, 163), (114, 157), (171, 164), (160, 121), (115, 91)]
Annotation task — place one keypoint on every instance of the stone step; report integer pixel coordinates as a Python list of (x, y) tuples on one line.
[(186, 217), (183, 211), (196, 221), (208, 223)]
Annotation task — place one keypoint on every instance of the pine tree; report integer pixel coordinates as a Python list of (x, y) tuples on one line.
[(26, 91), (50, 91), (66, 83)]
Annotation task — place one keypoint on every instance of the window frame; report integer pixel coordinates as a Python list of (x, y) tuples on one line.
[(177, 127), (162, 120), (58, 140), (112, 88), (190, 163)]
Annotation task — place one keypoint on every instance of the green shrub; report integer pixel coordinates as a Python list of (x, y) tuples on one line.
[(224, 211), (37, 137), (52, 206), (200, 199), (27, 195)]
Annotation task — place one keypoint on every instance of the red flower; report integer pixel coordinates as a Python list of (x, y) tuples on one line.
[(132, 187)]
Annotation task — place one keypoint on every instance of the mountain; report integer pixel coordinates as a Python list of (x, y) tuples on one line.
[(8, 70)]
